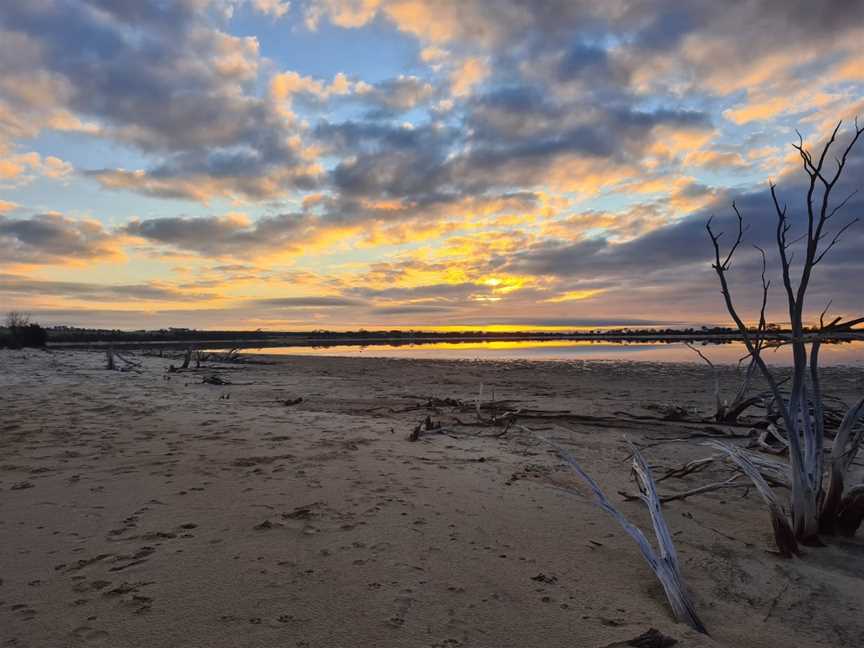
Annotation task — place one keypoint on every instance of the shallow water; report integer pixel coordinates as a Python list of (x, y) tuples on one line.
[(847, 353)]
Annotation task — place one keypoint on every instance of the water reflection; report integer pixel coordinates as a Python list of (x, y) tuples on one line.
[(846, 353)]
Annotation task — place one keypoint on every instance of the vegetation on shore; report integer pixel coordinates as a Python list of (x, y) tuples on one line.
[(18, 332)]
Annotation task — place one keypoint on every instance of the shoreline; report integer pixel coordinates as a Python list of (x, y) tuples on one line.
[(230, 343)]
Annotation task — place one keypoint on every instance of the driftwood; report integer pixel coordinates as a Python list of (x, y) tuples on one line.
[(701, 490), (843, 453), (775, 473), (425, 425), (726, 412), (784, 536), (111, 356), (664, 560), (428, 426)]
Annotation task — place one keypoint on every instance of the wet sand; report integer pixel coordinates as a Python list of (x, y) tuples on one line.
[(149, 510)]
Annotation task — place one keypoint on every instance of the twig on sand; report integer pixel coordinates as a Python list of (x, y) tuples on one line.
[(707, 488)]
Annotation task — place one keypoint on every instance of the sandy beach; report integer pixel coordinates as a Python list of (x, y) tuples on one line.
[(147, 509)]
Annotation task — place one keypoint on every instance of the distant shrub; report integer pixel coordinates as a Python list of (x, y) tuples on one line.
[(21, 332)]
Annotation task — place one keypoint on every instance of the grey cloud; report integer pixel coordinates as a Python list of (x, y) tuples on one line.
[(517, 135), (217, 236), (401, 94), (598, 322), (437, 291), (412, 309), (306, 302), (47, 238), (18, 285)]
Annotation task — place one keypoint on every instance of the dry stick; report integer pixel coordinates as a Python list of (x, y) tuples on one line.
[(708, 488), (690, 468), (666, 421), (719, 409), (428, 426), (776, 473), (784, 537), (131, 364)]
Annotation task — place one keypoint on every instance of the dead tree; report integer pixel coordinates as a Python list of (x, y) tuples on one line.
[(802, 412), (16, 320), (187, 358)]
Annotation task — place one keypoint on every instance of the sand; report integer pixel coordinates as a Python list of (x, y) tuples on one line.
[(149, 510)]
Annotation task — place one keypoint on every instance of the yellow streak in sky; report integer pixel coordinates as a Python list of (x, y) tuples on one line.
[(573, 295)]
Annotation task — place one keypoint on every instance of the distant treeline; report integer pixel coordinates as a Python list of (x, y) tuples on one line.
[(175, 336), (69, 334)]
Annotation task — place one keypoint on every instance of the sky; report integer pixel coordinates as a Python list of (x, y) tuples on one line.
[(452, 164)]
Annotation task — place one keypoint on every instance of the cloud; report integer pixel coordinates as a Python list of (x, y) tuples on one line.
[(307, 302), (24, 167), (19, 285), (412, 309), (468, 74), (231, 234), (397, 95), (385, 98), (285, 85), (274, 8), (163, 79), (54, 238)]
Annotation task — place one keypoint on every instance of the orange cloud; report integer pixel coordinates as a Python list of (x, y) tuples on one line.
[(468, 74), (16, 167)]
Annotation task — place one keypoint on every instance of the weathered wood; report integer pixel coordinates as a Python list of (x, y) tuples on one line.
[(664, 560), (784, 537)]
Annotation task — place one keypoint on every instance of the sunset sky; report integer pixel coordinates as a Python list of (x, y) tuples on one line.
[(397, 163)]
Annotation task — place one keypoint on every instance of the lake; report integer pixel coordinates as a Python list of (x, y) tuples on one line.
[(846, 353)]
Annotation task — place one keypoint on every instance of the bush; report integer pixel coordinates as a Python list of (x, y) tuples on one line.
[(21, 332)]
